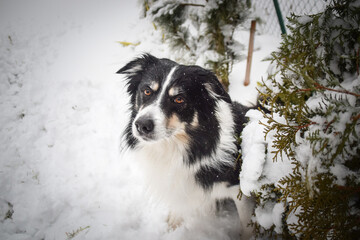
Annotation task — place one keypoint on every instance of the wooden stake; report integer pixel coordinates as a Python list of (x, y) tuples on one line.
[(250, 52)]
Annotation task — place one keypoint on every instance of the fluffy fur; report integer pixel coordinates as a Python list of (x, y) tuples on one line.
[(184, 128)]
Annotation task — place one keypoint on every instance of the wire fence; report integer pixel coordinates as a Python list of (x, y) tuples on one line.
[(269, 23)]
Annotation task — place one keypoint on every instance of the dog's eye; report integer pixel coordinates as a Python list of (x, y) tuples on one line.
[(147, 92), (179, 100)]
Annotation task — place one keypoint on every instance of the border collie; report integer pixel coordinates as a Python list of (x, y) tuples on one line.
[(185, 128)]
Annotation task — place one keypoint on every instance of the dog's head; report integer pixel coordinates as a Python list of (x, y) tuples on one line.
[(169, 100)]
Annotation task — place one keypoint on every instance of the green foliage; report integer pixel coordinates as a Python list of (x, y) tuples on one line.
[(201, 30), (316, 90), (74, 233)]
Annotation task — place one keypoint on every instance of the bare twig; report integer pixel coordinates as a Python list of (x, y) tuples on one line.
[(304, 126), (321, 87), (355, 118), (357, 61), (192, 4)]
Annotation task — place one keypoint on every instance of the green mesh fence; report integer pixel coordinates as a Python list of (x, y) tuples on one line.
[(269, 23)]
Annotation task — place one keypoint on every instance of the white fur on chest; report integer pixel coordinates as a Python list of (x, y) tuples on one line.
[(171, 181)]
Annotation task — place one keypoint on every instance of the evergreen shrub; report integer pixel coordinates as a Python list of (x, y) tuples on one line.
[(201, 33), (314, 87)]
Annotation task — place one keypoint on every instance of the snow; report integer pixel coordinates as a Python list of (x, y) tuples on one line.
[(62, 113), (263, 46), (305, 19), (270, 214), (258, 167), (253, 154), (341, 172)]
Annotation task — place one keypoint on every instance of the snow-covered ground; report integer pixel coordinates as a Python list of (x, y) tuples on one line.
[(62, 111)]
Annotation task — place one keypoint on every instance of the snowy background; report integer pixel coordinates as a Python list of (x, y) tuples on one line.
[(63, 108)]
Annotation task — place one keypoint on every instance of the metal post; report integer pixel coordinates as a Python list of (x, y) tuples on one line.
[(280, 18)]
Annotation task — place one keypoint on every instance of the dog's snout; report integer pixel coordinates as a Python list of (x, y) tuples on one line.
[(144, 126)]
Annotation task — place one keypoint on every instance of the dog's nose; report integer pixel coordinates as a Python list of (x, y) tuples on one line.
[(144, 126)]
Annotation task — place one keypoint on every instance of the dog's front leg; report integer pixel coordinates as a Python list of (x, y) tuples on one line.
[(245, 208)]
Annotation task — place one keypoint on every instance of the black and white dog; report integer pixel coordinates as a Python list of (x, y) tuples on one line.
[(184, 127)]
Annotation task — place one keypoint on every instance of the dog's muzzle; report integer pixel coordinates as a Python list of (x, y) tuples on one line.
[(145, 128)]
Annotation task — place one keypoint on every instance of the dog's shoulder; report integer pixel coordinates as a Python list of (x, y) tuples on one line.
[(239, 111)]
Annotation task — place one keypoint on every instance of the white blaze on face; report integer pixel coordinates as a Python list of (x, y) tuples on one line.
[(166, 84), (163, 127)]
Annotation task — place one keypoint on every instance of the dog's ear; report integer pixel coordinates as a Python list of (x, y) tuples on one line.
[(216, 89), (134, 71), (137, 65)]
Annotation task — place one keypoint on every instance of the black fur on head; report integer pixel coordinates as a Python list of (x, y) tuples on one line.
[(199, 87), (134, 71)]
